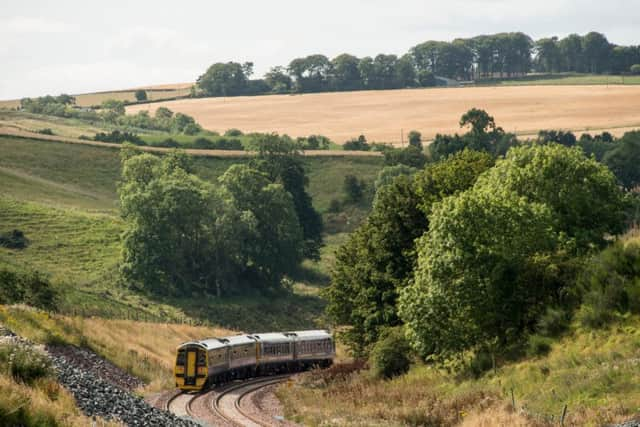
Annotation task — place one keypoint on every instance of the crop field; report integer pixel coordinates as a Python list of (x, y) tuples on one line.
[(154, 93), (384, 116)]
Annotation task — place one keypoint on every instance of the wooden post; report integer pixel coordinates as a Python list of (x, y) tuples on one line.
[(564, 414)]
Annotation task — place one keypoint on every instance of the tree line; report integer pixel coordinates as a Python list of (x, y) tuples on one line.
[(249, 229), (485, 56), (487, 250)]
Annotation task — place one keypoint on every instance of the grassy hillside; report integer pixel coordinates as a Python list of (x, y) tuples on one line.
[(63, 197), (594, 373)]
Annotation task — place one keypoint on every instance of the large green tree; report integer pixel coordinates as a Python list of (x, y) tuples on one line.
[(582, 193), (379, 257), (479, 278)]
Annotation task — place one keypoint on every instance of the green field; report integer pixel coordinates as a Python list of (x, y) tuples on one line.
[(63, 196), (563, 79)]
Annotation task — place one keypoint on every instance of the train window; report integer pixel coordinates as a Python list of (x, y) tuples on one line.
[(182, 355), (202, 358)]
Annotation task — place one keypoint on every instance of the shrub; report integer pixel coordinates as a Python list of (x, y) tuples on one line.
[(168, 143), (233, 132), (203, 144), (357, 144), (635, 69), (118, 137), (390, 356), (30, 288), (24, 363), (46, 131), (611, 284), (553, 322), (13, 239), (334, 206), (538, 345), (141, 95), (354, 188)]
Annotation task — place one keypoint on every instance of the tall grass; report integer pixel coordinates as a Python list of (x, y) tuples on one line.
[(594, 373)]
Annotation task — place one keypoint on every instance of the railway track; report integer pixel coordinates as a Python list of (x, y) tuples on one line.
[(228, 405)]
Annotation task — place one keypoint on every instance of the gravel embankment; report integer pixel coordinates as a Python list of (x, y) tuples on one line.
[(101, 388)]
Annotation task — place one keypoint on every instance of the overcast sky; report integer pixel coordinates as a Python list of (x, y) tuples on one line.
[(78, 46)]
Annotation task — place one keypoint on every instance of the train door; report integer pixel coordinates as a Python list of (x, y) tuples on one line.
[(190, 371)]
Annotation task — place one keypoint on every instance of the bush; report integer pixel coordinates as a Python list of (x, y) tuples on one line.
[(168, 143), (538, 345), (24, 363), (357, 144), (141, 95), (635, 69), (553, 322), (13, 239), (30, 288), (611, 284), (233, 132), (390, 356), (118, 137), (203, 144), (46, 131), (354, 188), (334, 206)]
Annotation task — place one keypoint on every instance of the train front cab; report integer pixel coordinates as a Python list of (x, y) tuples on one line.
[(191, 368)]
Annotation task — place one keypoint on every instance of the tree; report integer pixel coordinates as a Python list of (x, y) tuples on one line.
[(379, 257), (480, 121), (635, 69), (278, 80), (353, 188), (280, 159), (112, 109), (410, 156), (276, 249), (345, 74), (623, 159), (571, 49), (581, 193), (389, 173), (141, 95), (357, 144), (311, 73), (597, 52), (480, 273), (225, 79), (415, 139), (548, 56)]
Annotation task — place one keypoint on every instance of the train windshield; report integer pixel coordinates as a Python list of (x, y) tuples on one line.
[(182, 357)]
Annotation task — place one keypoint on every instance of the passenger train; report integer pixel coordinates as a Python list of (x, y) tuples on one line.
[(200, 364)]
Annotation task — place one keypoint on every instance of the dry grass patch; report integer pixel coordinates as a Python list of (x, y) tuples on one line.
[(383, 115), (46, 403), (146, 350)]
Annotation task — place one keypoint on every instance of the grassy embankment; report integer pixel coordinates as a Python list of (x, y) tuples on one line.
[(594, 373), (63, 196)]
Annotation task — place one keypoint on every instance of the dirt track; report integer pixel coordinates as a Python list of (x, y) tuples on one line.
[(382, 115)]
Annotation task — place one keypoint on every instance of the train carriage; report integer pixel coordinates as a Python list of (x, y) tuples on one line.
[(199, 362), (275, 352), (243, 351), (313, 348)]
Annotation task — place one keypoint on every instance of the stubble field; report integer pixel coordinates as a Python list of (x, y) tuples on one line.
[(384, 116)]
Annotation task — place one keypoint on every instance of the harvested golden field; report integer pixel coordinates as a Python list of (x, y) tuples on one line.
[(383, 115), (154, 93)]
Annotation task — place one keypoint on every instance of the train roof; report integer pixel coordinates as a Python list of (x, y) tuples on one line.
[(273, 337), (310, 335), (239, 339), (212, 343)]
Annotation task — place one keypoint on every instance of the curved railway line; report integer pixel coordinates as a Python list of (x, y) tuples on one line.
[(227, 405)]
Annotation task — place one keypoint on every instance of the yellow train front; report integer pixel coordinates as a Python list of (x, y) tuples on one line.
[(218, 360)]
